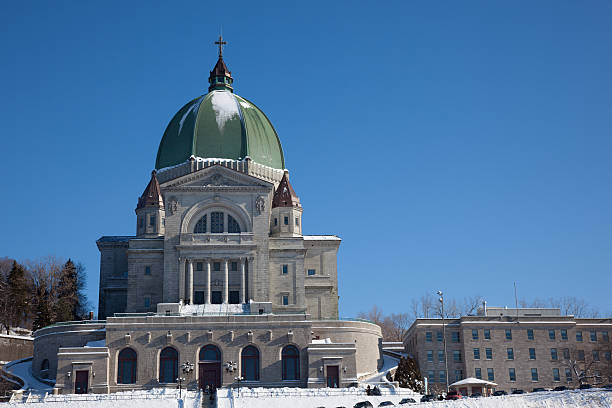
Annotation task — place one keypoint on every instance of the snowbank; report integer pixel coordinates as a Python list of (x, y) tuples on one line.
[(326, 397)]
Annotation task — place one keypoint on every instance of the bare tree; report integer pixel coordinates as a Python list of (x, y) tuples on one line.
[(581, 365), (470, 305)]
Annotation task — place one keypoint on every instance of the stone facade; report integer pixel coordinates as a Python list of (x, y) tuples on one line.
[(524, 351)]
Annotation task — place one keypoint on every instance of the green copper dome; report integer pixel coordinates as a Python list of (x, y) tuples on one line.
[(220, 125)]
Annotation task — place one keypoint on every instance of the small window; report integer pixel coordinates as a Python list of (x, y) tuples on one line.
[(285, 269), (608, 355), (216, 222), (563, 334), (455, 337), (578, 336), (147, 270), (140, 222), (297, 222), (427, 336), (456, 356), (508, 334), (234, 266), (474, 334), (489, 353), (476, 354), (487, 334), (530, 334), (568, 375), (286, 220), (534, 374), (553, 354), (556, 375), (442, 376), (430, 356), (199, 266), (511, 374), (595, 355), (152, 220), (551, 334), (232, 225), (490, 374), (275, 222), (430, 376), (285, 300), (147, 302), (458, 375), (200, 227), (532, 354), (478, 373), (440, 356), (439, 336), (604, 336), (593, 334), (510, 353), (566, 354), (216, 266), (312, 272)]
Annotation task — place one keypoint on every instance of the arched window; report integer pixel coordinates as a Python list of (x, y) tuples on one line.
[(200, 227), (291, 363), (232, 225), (168, 365), (216, 222), (44, 369), (210, 353), (126, 367), (249, 362)]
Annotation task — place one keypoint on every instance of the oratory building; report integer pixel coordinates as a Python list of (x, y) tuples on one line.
[(218, 277)]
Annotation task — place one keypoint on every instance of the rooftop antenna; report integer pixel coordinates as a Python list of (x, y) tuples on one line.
[(516, 302)]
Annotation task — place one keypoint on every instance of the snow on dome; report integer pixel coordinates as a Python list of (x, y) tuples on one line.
[(224, 105)]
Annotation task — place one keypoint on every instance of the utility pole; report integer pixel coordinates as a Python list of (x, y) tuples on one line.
[(444, 340)]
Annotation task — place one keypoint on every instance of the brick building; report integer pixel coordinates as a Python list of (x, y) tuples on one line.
[(516, 348)]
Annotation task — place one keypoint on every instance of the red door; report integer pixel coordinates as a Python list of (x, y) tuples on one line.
[(333, 378), (210, 375), (81, 381)]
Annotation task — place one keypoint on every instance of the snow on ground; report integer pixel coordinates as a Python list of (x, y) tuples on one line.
[(154, 398), (389, 363), (331, 398), (23, 369)]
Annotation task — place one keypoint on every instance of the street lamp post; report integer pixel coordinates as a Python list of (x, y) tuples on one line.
[(444, 340)]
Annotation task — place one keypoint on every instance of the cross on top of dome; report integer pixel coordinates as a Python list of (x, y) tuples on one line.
[(221, 43)]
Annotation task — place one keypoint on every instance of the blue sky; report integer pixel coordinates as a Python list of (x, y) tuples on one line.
[(452, 145)]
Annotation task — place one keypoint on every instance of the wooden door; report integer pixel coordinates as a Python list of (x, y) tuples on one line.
[(81, 382), (210, 375), (333, 377)]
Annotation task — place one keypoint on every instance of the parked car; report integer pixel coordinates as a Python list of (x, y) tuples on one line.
[(539, 389), (585, 386), (386, 404), (499, 393), (560, 388), (428, 398), (407, 401), (518, 392), (363, 404), (476, 395), (453, 395)]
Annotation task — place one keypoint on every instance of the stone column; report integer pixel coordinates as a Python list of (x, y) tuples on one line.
[(181, 279), (226, 280), (190, 280), (242, 283), (207, 293)]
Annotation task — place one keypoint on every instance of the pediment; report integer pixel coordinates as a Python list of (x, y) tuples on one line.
[(215, 177)]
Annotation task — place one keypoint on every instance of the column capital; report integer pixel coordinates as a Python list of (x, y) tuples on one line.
[(243, 259), (190, 261)]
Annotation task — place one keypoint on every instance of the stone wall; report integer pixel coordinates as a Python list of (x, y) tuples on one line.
[(15, 347)]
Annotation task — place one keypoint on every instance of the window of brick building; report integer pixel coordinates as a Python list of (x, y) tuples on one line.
[(566, 354), (551, 334), (556, 375), (487, 334), (595, 355), (474, 334), (578, 336), (441, 356), (534, 374), (511, 374), (430, 356), (604, 336), (593, 334), (427, 336), (455, 337), (476, 354), (530, 334), (508, 334), (456, 356), (439, 336), (553, 353), (510, 353), (532, 354), (490, 374), (478, 373), (563, 334), (489, 354)]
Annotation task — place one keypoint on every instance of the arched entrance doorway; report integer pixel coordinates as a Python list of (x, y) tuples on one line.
[(209, 369)]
